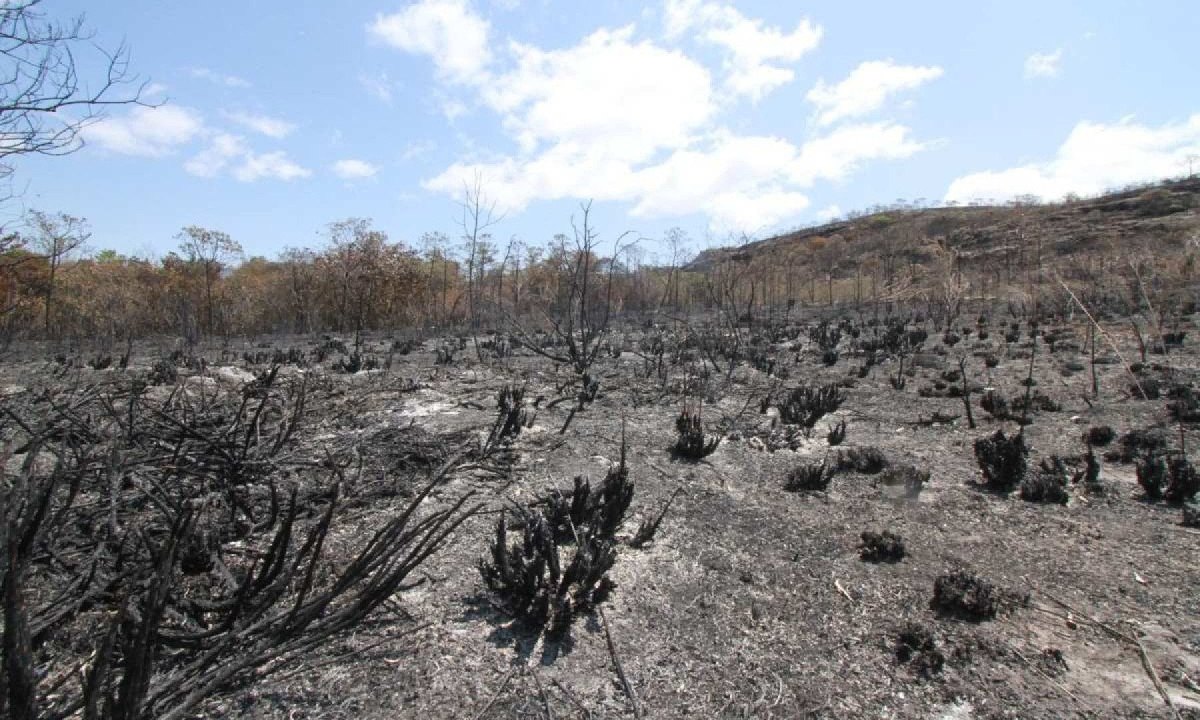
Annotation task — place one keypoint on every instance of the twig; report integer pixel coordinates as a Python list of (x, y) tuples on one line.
[(838, 584), (541, 692), (612, 651), (496, 695)]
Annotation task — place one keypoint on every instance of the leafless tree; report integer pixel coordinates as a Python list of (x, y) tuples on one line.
[(579, 315), (44, 102)]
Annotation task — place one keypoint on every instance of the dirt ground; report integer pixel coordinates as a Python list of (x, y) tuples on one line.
[(753, 602)]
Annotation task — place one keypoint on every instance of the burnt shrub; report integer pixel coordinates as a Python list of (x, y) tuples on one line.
[(1047, 484), (1152, 476), (911, 477), (511, 415), (866, 460), (1137, 444), (1191, 516), (1001, 460), (558, 569), (691, 442), (1183, 482), (805, 405), (996, 406), (916, 646), (877, 547), (1099, 435), (965, 595), (809, 477), (836, 434), (1185, 404)]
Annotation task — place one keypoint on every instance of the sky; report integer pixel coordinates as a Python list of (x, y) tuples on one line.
[(272, 119)]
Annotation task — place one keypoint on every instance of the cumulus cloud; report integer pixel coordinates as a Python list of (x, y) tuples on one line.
[(352, 169), (1094, 157), (228, 152), (146, 131), (634, 97), (866, 89), (264, 124), (1040, 65), (620, 117), (274, 165), (754, 51), (222, 149), (448, 31)]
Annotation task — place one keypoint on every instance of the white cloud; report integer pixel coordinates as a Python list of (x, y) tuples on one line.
[(417, 149), (741, 183), (1095, 157), (448, 31), (616, 117), (352, 169), (1043, 64), (222, 149), (212, 76), (866, 89), (227, 151), (269, 126), (632, 97), (275, 165), (146, 131), (754, 50)]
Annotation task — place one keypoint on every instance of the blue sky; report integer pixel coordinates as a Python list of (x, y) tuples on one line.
[(723, 119)]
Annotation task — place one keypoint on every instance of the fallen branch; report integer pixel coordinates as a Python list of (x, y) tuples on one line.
[(612, 651)]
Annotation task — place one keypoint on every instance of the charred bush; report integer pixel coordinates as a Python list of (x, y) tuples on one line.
[(1137, 444), (691, 442), (512, 415), (809, 477), (964, 595), (1191, 516), (558, 569), (868, 460), (916, 646), (879, 547), (910, 477), (1047, 484), (1183, 482), (1099, 435), (1001, 459), (836, 434), (1152, 476), (996, 406), (807, 404)]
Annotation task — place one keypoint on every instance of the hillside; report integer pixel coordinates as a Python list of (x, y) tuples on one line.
[(1167, 213)]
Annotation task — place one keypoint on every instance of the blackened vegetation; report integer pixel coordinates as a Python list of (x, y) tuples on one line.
[(1172, 479), (1047, 484), (161, 551), (1099, 435), (836, 434), (1002, 461), (879, 547), (512, 415), (910, 477), (808, 477), (964, 595), (691, 442), (1137, 444), (917, 647), (805, 405), (866, 460), (558, 569)]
